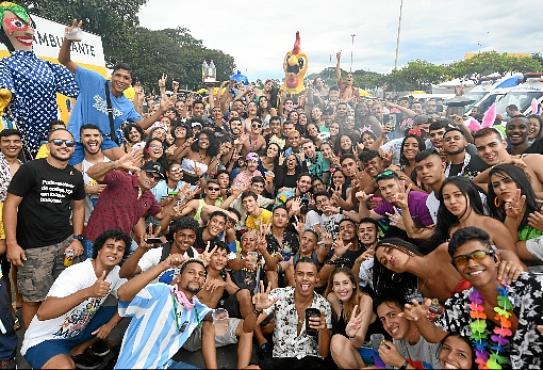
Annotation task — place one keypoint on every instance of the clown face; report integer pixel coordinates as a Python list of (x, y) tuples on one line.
[(18, 32)]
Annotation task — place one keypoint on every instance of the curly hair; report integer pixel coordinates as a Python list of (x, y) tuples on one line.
[(213, 148), (111, 234)]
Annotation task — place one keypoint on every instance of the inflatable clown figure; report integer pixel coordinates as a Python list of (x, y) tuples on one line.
[(295, 67), (28, 85)]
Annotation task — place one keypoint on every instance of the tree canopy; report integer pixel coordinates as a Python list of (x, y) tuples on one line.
[(150, 53)]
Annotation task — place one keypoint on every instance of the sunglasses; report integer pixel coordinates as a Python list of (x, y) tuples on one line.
[(59, 142), (154, 176), (386, 174), (463, 260), (213, 189), (256, 125)]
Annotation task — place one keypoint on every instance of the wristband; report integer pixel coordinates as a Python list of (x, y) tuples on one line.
[(256, 312), (404, 366)]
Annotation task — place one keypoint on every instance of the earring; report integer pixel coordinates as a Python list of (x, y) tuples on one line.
[(497, 202)]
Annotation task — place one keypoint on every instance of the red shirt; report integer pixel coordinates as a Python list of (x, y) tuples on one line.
[(118, 206)]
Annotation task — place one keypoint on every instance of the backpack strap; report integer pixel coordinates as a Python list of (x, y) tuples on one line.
[(112, 133)]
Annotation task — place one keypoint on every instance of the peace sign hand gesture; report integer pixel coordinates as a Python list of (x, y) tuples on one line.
[(262, 300), (514, 207), (355, 323), (208, 252)]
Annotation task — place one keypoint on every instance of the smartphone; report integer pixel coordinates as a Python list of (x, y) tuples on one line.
[(311, 312), (153, 241)]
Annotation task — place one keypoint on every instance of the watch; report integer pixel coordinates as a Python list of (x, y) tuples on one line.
[(79, 237)]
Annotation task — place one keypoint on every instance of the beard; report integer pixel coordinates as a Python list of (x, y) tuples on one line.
[(454, 152)]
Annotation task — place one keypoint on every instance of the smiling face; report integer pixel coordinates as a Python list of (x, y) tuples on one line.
[(219, 259), (91, 139), (250, 204), (184, 239), (410, 148), (367, 233), (535, 128), (454, 200), (342, 286), (517, 130), (155, 149), (455, 353), (216, 225), (478, 271), (397, 327), (193, 278), (347, 231), (303, 185), (334, 129), (19, 33), (504, 187), (491, 148), (272, 151), (111, 253), (134, 135), (11, 146), (345, 143), (61, 152), (121, 80)]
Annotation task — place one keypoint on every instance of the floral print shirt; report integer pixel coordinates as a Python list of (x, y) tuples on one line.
[(287, 342), (526, 294)]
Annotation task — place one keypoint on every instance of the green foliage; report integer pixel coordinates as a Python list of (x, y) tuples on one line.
[(487, 63), (150, 53), (417, 75)]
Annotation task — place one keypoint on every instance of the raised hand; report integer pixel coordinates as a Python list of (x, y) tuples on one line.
[(162, 81), (396, 219), (296, 206), (298, 225), (208, 252), (340, 248), (130, 161), (175, 86), (362, 196), (401, 199), (73, 32), (173, 260), (415, 311), (261, 300), (355, 323), (515, 207), (535, 220), (281, 159), (338, 55), (100, 288)]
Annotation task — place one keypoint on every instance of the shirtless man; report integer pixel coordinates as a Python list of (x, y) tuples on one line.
[(493, 150)]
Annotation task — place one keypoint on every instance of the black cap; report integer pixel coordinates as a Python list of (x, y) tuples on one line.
[(153, 167)]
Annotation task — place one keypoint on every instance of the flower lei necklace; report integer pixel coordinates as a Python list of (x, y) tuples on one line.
[(479, 334)]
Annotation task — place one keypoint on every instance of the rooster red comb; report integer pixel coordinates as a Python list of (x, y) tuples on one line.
[(296, 48)]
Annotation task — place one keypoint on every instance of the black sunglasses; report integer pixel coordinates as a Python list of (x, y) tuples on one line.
[(256, 125), (213, 189), (59, 142)]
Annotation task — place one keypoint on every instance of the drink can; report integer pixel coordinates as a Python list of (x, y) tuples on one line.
[(68, 257)]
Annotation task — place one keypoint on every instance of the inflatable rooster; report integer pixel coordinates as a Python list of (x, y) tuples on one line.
[(295, 67)]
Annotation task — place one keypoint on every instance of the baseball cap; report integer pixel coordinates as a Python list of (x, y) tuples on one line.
[(196, 123), (153, 167)]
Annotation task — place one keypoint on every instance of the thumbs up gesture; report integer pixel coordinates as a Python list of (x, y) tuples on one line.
[(101, 287)]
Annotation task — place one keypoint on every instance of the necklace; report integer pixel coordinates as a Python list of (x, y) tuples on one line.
[(467, 159), (479, 333)]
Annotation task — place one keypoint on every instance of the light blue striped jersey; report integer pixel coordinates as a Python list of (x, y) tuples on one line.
[(154, 335)]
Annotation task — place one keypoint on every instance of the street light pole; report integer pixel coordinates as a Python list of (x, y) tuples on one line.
[(352, 49), (398, 38)]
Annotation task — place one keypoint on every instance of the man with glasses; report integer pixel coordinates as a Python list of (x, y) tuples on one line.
[(127, 198), (195, 206), (476, 260), (42, 196)]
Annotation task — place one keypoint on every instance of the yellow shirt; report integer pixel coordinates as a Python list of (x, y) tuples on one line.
[(43, 152), (254, 223)]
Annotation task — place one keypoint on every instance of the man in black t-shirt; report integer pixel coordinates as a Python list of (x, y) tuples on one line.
[(41, 197), (459, 161)]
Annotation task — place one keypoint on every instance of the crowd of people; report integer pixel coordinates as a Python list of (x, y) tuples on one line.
[(318, 230)]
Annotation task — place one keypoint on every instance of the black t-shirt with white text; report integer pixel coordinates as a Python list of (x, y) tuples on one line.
[(43, 217)]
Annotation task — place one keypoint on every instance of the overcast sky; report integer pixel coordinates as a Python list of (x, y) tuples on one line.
[(259, 33)]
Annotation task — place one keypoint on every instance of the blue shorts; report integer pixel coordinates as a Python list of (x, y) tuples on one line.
[(38, 355), (79, 152)]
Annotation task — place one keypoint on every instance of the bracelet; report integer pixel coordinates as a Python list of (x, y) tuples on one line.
[(256, 312)]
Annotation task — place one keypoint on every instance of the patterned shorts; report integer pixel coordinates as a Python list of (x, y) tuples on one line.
[(39, 271)]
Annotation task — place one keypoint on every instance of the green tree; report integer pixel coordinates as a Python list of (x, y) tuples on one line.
[(487, 63), (114, 20), (417, 75)]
